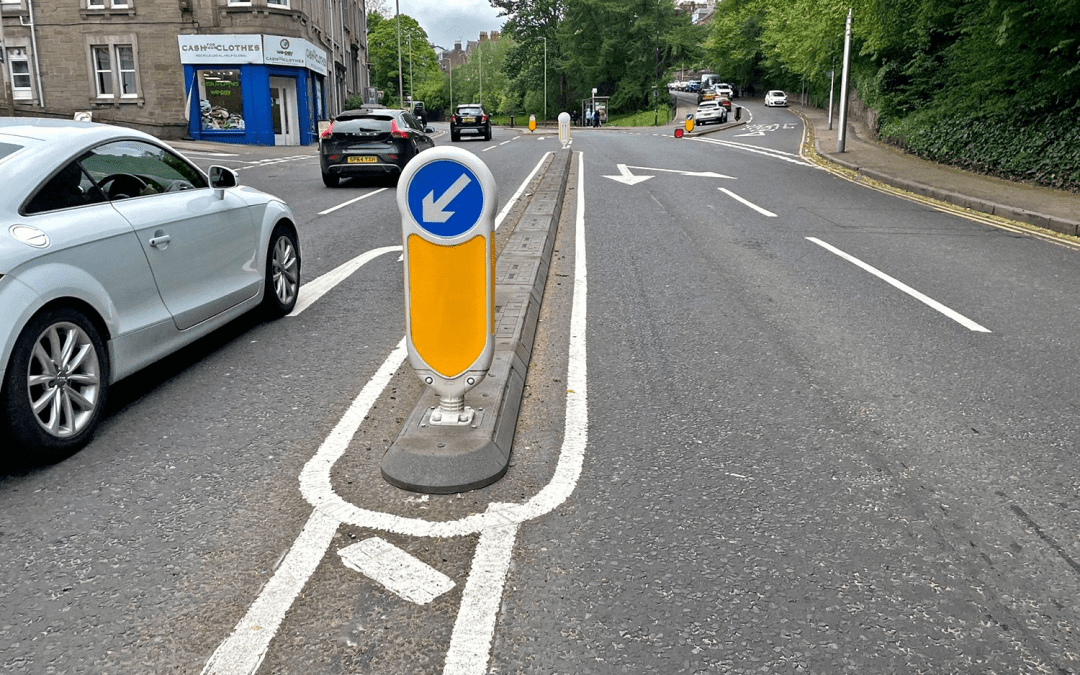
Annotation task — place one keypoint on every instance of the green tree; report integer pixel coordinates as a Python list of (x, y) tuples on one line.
[(418, 61)]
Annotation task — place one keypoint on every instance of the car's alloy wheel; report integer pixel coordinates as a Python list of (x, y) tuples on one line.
[(54, 390), (282, 272)]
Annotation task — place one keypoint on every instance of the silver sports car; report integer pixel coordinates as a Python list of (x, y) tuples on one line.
[(114, 252)]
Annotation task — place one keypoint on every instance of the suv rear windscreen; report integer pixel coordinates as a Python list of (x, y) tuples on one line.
[(470, 112), (364, 125)]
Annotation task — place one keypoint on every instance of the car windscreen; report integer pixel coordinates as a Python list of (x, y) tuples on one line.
[(364, 125)]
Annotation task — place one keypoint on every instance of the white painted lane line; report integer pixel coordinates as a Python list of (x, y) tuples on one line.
[(243, 651), (774, 154), (521, 189), (470, 643), (352, 201), (395, 569), (757, 208), (313, 290), (930, 302)]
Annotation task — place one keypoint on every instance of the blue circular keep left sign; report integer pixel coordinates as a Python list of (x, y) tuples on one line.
[(445, 198)]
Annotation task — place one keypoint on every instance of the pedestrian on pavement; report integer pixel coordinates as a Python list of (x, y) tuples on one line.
[(588, 117)]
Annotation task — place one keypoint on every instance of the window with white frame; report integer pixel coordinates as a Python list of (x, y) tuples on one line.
[(239, 3), (115, 75), (22, 88), (103, 4), (283, 4)]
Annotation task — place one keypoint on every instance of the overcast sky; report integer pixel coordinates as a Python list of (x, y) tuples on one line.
[(447, 21)]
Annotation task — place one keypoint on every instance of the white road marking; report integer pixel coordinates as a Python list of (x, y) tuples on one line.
[(955, 316), (313, 290), (470, 643), (757, 208), (768, 152), (243, 651), (395, 569), (352, 201)]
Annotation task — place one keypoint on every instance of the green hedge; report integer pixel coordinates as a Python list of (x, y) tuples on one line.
[(1043, 148)]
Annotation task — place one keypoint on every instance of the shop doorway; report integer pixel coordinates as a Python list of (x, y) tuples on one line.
[(283, 111)]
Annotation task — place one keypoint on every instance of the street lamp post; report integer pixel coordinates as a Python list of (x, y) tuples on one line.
[(400, 83), (450, 68), (545, 79)]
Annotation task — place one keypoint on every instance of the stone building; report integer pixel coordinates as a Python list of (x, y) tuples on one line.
[(240, 71)]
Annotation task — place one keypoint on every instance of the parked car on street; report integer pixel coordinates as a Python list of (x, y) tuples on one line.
[(710, 112), (371, 142), (470, 119), (115, 251), (775, 98)]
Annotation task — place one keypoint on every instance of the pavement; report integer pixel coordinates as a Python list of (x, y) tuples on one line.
[(1042, 207)]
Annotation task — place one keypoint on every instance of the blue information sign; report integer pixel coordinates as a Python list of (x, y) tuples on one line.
[(445, 198)]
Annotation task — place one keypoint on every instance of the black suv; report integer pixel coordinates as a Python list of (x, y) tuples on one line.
[(470, 118), (371, 142)]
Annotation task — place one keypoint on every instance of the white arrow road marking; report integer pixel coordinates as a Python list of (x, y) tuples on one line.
[(626, 177), (244, 650), (395, 569), (959, 318), (757, 208), (433, 208)]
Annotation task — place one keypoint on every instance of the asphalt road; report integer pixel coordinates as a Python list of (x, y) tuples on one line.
[(798, 426)]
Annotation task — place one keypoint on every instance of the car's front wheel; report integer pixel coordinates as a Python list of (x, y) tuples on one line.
[(282, 273), (55, 385)]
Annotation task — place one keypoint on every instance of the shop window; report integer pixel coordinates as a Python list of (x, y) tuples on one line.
[(22, 88), (221, 101), (115, 75)]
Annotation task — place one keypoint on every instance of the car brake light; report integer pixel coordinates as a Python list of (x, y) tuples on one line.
[(484, 118), (329, 131), (396, 131)]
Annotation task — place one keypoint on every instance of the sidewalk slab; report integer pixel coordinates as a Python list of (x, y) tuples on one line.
[(1047, 208)]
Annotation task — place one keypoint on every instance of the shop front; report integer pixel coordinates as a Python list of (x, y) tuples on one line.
[(253, 89)]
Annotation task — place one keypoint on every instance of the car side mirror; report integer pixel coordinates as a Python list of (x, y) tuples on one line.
[(220, 178), (429, 130)]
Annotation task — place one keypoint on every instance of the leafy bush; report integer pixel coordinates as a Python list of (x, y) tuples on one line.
[(1038, 146)]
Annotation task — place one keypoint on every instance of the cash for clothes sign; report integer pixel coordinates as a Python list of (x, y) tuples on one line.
[(447, 200)]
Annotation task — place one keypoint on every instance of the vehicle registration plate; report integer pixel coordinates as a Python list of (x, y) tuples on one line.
[(468, 120), (362, 159)]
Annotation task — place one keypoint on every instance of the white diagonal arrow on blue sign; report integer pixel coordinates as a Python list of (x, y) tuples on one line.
[(434, 209)]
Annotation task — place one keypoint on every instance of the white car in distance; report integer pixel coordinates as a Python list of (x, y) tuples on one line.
[(776, 99)]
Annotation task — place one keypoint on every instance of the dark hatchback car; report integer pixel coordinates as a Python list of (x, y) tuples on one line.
[(371, 142), (471, 119)]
